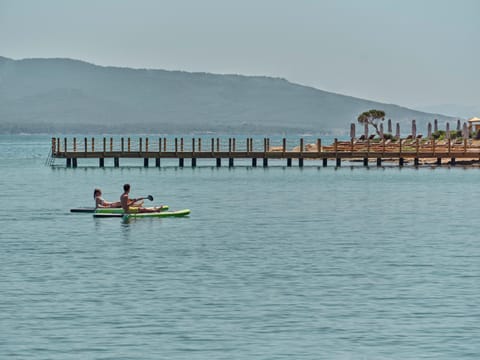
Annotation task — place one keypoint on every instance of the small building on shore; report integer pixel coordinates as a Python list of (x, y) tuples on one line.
[(474, 124)]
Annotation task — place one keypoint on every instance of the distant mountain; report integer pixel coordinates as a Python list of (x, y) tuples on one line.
[(68, 96)]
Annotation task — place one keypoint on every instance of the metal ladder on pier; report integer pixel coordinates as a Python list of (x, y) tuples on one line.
[(50, 160)]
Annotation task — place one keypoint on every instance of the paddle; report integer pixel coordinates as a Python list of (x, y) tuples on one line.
[(149, 197)]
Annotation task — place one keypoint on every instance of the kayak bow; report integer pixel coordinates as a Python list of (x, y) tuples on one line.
[(176, 213)]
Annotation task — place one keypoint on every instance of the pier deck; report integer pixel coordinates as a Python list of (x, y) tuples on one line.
[(420, 151)]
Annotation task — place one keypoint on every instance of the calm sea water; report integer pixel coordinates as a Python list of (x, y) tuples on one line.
[(275, 263)]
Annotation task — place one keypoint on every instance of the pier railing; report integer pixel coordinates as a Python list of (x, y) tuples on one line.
[(147, 148), (161, 145)]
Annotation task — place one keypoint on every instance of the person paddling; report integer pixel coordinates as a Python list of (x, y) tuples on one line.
[(126, 202), (101, 203)]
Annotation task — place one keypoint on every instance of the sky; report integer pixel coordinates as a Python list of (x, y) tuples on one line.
[(415, 53)]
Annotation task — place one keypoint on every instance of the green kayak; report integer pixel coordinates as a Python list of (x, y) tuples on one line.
[(177, 213)]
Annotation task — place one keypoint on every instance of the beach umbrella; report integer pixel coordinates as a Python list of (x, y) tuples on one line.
[(465, 130), (435, 125), (352, 131), (389, 128), (397, 131), (366, 130), (381, 130), (429, 130), (414, 128), (447, 130), (458, 125)]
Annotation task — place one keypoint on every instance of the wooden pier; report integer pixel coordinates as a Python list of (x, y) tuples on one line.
[(416, 151)]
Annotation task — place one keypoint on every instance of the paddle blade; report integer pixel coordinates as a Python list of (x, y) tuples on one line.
[(150, 197)]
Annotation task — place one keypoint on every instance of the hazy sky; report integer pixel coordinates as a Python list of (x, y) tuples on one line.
[(407, 52)]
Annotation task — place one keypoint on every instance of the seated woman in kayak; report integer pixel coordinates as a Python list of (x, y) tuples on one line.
[(126, 203), (101, 203)]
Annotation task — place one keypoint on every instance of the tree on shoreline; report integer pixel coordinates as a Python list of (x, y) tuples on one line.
[(372, 117)]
